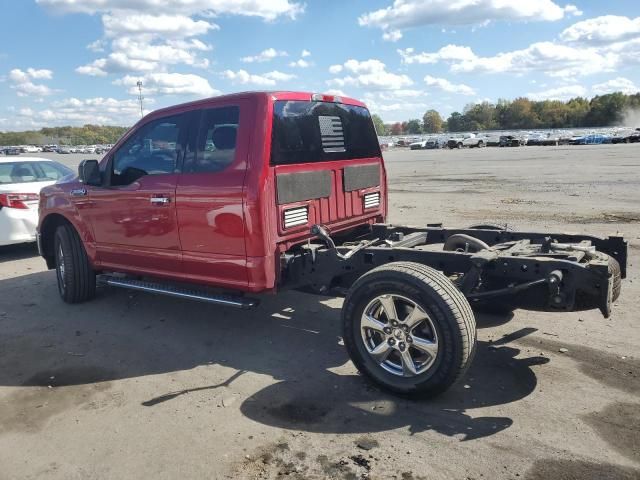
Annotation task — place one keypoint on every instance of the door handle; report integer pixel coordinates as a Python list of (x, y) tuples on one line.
[(160, 200)]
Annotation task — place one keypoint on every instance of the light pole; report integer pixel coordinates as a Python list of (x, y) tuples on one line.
[(140, 97)]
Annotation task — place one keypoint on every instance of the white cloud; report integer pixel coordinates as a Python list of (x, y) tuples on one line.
[(559, 93), (140, 54), (22, 82), (74, 111), (336, 91), (126, 23), (602, 30), (266, 9), (594, 46), (554, 59), (404, 14), (269, 79), (169, 84), (403, 103), (446, 86), (42, 74), (335, 68), (392, 35), (265, 56), (446, 53), (619, 84), (305, 53), (300, 63), (370, 73), (151, 35)]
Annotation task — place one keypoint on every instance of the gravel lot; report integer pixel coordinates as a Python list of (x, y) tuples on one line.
[(138, 386)]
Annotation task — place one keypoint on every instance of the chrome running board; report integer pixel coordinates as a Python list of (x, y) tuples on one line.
[(179, 292)]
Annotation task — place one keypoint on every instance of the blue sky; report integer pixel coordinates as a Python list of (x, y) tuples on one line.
[(77, 61)]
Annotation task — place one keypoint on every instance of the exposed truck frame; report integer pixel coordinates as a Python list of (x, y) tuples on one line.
[(532, 270)]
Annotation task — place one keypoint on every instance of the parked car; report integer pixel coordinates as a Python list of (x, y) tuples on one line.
[(64, 150), (455, 142), (543, 139), (629, 136), (493, 141), (294, 197), (20, 184), (419, 145), (12, 151), (475, 141), (592, 139), (511, 141)]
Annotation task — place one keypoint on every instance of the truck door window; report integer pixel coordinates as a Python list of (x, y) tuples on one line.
[(153, 150), (216, 144)]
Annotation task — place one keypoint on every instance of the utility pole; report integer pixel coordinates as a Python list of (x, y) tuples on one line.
[(140, 97)]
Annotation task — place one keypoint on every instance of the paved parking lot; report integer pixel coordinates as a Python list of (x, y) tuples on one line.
[(138, 386)]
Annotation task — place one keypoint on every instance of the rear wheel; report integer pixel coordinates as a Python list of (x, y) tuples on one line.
[(76, 278), (491, 226), (409, 329), (614, 270)]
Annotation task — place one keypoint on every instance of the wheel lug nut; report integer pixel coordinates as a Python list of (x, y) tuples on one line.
[(387, 330), (392, 342), (409, 340), (402, 346)]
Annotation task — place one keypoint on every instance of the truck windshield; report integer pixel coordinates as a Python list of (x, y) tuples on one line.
[(306, 132)]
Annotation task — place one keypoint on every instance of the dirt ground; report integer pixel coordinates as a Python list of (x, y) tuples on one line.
[(138, 386)]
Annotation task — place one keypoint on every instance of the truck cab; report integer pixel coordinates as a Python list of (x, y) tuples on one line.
[(214, 191)]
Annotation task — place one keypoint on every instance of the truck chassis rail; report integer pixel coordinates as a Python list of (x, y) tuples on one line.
[(531, 270)]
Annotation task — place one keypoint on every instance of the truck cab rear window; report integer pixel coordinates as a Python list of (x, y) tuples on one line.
[(306, 132)]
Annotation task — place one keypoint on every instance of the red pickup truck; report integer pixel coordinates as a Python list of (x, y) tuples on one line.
[(225, 198)]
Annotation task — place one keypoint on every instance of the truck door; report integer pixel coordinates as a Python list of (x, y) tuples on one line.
[(209, 196), (134, 214)]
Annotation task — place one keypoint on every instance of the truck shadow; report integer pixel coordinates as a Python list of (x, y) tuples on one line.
[(9, 253), (292, 337)]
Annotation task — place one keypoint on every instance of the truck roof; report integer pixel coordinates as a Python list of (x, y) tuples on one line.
[(277, 95)]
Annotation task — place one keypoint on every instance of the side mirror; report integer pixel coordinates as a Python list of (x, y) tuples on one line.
[(89, 173)]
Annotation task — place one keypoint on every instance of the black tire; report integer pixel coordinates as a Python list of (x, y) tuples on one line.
[(448, 312), (76, 278), (491, 226), (614, 269)]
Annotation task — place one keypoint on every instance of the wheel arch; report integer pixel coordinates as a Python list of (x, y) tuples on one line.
[(48, 227)]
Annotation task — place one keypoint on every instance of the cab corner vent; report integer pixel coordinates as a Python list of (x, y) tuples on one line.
[(296, 216), (372, 200)]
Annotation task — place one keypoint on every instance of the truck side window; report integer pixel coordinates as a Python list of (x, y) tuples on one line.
[(216, 147), (153, 150)]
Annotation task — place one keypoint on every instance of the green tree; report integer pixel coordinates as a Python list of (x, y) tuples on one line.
[(378, 124), (454, 122), (413, 126), (432, 122), (481, 116)]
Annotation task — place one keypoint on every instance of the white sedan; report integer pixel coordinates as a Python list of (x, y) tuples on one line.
[(20, 183)]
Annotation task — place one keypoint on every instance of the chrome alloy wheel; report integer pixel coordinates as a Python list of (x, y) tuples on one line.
[(399, 335), (60, 269)]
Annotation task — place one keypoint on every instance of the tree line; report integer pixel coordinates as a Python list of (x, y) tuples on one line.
[(85, 135), (522, 113)]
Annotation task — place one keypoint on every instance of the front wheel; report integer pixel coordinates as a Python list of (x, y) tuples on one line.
[(409, 329), (76, 278)]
